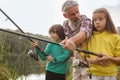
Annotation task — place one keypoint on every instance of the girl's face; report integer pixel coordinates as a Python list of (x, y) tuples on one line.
[(99, 20), (54, 37)]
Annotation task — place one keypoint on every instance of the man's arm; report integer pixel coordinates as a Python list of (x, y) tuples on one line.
[(79, 38), (72, 42)]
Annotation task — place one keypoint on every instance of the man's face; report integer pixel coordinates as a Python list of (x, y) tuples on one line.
[(72, 14)]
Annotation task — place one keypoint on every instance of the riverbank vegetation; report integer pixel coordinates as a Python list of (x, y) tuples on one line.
[(14, 58)]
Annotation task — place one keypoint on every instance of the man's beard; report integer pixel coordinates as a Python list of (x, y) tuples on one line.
[(74, 24)]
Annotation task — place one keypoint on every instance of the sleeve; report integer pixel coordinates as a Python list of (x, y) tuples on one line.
[(47, 51), (86, 26), (64, 57), (40, 54), (117, 47)]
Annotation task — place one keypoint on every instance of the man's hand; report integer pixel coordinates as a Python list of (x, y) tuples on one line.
[(68, 44)]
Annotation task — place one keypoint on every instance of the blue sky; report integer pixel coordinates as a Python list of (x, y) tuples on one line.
[(36, 16)]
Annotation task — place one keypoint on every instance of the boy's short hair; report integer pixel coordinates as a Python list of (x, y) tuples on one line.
[(58, 29)]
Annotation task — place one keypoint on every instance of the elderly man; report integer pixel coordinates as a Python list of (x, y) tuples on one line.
[(77, 29)]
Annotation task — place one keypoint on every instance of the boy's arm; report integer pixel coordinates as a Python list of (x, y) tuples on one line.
[(62, 58)]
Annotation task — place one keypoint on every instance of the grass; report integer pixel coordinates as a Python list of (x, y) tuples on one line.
[(4, 73)]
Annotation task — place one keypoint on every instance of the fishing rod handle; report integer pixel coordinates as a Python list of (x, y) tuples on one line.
[(39, 49)]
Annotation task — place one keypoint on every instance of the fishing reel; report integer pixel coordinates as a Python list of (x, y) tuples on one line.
[(33, 54), (81, 63)]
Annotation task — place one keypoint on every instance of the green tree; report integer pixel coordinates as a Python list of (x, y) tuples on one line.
[(13, 52)]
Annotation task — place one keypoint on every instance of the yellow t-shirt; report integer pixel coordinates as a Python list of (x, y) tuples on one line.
[(107, 43)]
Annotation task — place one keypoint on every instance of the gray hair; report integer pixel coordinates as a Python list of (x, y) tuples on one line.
[(67, 4)]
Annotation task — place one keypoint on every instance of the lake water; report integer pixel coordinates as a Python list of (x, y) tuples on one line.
[(32, 77)]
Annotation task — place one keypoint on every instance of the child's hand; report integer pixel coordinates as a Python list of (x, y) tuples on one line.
[(105, 58), (100, 61), (34, 44), (49, 58)]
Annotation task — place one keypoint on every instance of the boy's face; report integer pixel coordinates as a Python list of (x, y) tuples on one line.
[(54, 36)]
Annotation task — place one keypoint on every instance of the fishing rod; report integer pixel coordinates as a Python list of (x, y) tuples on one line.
[(34, 56), (88, 52), (26, 35), (33, 37), (29, 37)]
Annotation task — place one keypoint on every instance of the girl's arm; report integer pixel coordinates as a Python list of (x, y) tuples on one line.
[(106, 59), (100, 61), (115, 60)]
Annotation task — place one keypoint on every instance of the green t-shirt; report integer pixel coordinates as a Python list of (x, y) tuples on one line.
[(60, 57)]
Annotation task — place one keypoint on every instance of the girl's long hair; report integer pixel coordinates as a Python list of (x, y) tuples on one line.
[(109, 23)]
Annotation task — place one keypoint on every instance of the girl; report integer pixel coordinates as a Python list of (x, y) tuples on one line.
[(57, 65), (106, 42)]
